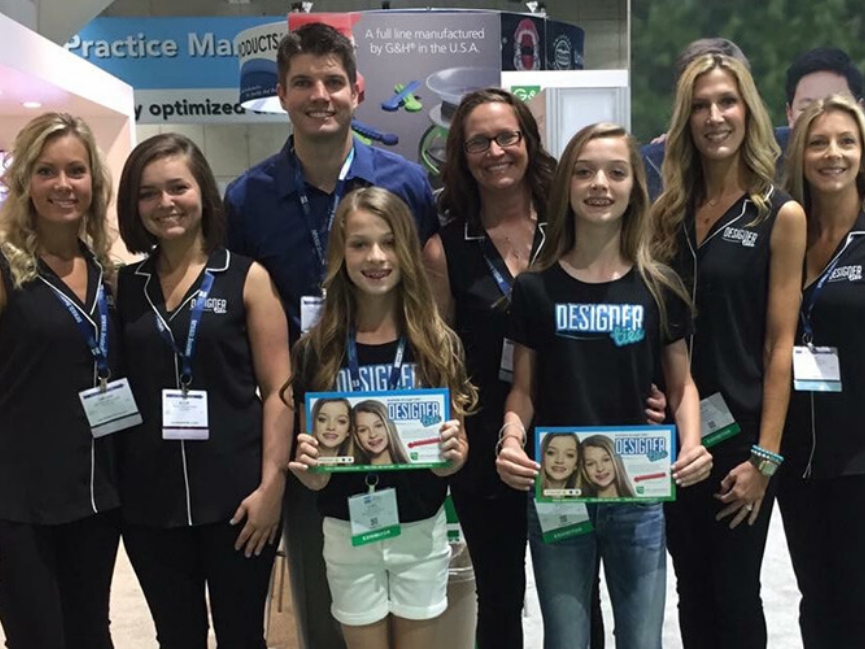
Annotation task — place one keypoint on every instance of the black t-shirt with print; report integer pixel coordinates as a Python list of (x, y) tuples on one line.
[(419, 492), (597, 346)]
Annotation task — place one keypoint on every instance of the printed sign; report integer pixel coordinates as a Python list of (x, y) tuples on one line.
[(604, 464), (387, 430), (183, 70)]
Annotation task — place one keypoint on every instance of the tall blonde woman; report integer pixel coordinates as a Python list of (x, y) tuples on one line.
[(822, 489), (738, 242), (58, 498)]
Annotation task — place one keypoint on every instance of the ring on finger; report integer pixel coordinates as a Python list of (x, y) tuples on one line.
[(749, 507)]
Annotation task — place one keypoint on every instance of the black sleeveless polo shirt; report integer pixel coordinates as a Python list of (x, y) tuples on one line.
[(728, 277), (52, 470), (481, 322), (172, 483)]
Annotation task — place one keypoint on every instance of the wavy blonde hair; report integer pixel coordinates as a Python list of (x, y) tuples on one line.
[(684, 183), (19, 239), (438, 351), (794, 176), (636, 224)]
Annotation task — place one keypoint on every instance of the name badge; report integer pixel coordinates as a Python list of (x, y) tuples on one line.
[(373, 517), (562, 520), (506, 368), (816, 369), (111, 409), (716, 420), (311, 308), (184, 416)]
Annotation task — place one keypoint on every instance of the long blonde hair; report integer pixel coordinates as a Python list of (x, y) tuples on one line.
[(438, 351), (794, 177), (684, 184), (19, 239), (636, 224)]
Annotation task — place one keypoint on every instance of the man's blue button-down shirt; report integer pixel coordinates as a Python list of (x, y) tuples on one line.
[(266, 221)]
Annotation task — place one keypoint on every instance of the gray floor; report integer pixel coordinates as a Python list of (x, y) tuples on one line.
[(132, 628)]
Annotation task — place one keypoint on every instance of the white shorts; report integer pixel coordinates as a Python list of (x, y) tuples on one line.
[(406, 575)]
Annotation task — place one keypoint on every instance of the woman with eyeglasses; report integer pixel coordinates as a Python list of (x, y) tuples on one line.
[(496, 177)]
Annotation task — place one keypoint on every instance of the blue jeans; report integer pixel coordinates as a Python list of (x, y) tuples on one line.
[(631, 543)]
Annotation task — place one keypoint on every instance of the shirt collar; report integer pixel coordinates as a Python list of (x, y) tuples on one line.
[(218, 261), (362, 167)]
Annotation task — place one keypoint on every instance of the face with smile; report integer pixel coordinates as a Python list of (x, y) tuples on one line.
[(560, 461), (169, 199), (61, 185), (600, 469), (318, 97), (833, 153), (371, 434), (812, 87), (370, 254), (602, 181), (718, 115), (498, 168), (331, 426)]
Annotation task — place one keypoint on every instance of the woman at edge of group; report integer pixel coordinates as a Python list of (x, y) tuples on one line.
[(598, 256), (199, 512), (496, 179), (58, 496), (738, 243), (822, 487)]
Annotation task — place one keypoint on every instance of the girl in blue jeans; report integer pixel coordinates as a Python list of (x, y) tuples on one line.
[(591, 326)]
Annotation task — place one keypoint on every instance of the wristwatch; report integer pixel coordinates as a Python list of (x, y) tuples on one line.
[(764, 465)]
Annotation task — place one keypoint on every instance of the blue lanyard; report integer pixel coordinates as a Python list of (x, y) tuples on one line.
[(99, 348), (503, 284), (188, 354), (501, 281), (354, 367), (319, 235)]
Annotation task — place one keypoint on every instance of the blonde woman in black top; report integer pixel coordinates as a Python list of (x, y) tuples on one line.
[(58, 498)]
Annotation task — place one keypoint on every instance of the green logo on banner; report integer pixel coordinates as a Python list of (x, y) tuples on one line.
[(525, 92)]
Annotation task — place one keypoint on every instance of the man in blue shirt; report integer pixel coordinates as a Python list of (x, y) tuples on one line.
[(279, 213), (266, 219)]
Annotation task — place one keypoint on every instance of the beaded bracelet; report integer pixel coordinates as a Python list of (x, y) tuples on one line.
[(762, 453)]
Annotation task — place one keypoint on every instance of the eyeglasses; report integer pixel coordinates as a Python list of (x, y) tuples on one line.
[(481, 143)]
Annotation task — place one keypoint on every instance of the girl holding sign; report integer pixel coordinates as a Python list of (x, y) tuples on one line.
[(597, 259), (203, 330), (822, 488), (385, 542)]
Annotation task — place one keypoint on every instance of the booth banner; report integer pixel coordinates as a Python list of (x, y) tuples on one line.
[(388, 430), (416, 67), (183, 70), (605, 464)]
